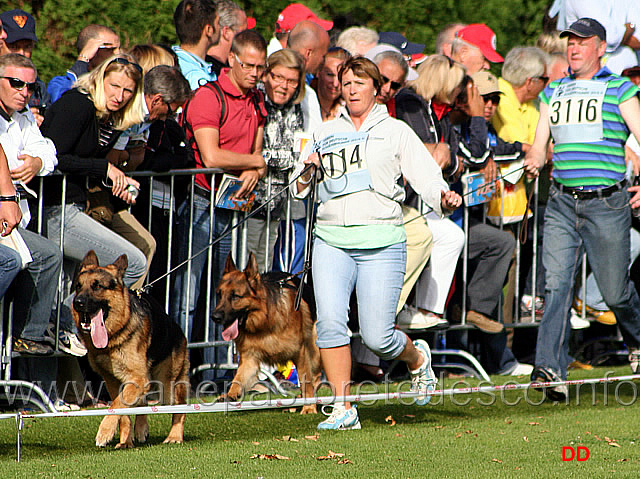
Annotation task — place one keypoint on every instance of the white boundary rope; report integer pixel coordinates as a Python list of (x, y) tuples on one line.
[(295, 402), (257, 404)]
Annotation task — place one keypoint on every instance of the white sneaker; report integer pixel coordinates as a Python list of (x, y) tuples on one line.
[(577, 322), (340, 418), (423, 379), (68, 342), (634, 360), (526, 302), (520, 369), (411, 318), (62, 406)]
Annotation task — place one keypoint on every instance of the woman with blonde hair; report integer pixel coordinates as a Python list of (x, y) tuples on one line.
[(84, 124), (115, 89), (439, 78), (149, 56), (283, 84)]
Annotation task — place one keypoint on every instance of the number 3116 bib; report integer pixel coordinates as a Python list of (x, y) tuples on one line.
[(575, 112)]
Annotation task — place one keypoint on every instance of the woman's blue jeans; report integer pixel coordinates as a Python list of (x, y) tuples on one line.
[(377, 274)]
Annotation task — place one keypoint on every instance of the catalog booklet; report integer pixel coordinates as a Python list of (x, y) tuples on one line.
[(225, 196), (475, 190)]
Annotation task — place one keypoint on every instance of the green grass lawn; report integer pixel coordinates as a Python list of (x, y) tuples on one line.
[(466, 436)]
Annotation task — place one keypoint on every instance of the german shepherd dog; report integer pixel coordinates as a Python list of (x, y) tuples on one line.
[(257, 311), (133, 345)]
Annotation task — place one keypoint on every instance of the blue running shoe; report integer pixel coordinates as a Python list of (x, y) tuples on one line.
[(340, 418), (423, 379)]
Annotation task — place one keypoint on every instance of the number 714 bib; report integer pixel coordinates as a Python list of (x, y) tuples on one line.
[(344, 164), (575, 112)]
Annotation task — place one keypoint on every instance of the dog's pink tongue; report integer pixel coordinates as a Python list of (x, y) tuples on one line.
[(98, 331), (231, 332)]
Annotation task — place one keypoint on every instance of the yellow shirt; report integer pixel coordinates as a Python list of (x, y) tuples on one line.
[(515, 121)]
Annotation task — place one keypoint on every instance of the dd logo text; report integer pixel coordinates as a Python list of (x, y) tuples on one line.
[(580, 453)]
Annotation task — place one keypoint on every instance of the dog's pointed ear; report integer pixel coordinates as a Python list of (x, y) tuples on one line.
[(121, 264), (251, 271), (229, 265), (90, 259)]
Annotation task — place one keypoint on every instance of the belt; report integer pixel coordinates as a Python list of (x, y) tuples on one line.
[(201, 191), (580, 193)]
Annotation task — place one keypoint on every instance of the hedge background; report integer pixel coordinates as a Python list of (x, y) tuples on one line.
[(516, 22)]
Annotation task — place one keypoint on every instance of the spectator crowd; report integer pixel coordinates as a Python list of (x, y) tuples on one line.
[(419, 206)]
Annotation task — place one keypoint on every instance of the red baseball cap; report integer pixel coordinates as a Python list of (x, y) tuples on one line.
[(251, 23), (295, 13), (481, 36)]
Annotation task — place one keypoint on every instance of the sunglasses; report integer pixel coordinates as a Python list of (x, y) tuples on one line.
[(124, 61), (19, 85), (492, 97), (544, 79), (395, 85)]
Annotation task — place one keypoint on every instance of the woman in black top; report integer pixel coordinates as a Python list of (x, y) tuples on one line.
[(84, 124)]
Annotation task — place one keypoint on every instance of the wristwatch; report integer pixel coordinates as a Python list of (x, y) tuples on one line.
[(15, 198)]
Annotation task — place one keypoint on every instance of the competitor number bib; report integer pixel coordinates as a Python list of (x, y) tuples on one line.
[(575, 112), (344, 165)]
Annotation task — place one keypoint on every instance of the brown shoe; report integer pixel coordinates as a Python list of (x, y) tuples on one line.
[(578, 365), (27, 346), (484, 323), (604, 317)]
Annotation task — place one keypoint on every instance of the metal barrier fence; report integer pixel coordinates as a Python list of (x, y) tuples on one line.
[(164, 185)]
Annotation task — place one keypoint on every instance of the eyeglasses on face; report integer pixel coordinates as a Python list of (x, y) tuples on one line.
[(247, 67), (492, 97), (395, 85), (287, 82), (124, 61), (19, 85), (544, 79)]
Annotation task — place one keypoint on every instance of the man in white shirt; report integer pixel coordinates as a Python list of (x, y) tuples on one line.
[(28, 154), (618, 17), (312, 42)]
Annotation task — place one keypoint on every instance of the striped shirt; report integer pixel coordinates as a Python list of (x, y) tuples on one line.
[(601, 163)]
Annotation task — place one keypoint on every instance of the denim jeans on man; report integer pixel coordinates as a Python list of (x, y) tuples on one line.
[(377, 275), (594, 296), (10, 264), (36, 288), (599, 226), (188, 307)]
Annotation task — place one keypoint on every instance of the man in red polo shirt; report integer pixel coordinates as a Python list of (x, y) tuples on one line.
[(230, 138)]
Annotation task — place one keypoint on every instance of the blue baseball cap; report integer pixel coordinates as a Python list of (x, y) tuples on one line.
[(400, 42), (19, 25)]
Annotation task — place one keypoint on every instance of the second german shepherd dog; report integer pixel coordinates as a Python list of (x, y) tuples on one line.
[(257, 311), (133, 345)]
